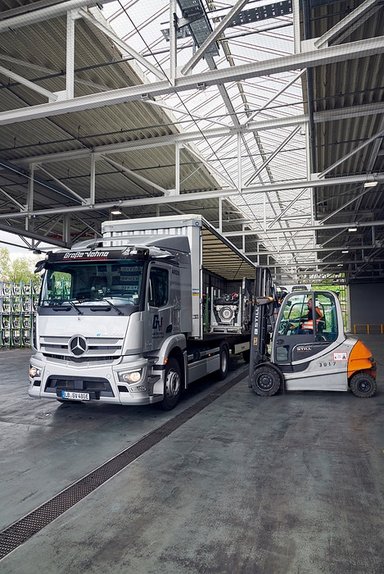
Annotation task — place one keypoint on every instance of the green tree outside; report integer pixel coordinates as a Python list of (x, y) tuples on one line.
[(18, 270)]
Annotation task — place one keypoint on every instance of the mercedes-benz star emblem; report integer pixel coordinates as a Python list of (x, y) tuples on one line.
[(77, 345)]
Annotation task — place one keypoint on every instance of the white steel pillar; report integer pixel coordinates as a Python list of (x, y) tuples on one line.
[(92, 190), (239, 164), (172, 41), (177, 168), (70, 56), (30, 196), (67, 228), (296, 25)]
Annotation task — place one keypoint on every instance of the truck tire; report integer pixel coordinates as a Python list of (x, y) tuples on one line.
[(224, 362), (363, 385), (172, 385), (266, 381)]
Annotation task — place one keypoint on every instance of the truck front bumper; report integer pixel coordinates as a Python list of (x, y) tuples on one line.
[(126, 383)]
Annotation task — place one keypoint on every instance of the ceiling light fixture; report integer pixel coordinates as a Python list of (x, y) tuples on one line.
[(370, 183), (351, 229), (116, 211), (345, 251)]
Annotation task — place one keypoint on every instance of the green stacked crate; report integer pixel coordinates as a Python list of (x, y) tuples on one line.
[(17, 307)]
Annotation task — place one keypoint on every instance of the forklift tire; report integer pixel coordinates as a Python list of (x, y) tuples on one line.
[(363, 385), (224, 362), (266, 381), (172, 385)]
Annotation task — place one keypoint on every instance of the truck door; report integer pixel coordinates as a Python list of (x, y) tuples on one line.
[(307, 324), (158, 313)]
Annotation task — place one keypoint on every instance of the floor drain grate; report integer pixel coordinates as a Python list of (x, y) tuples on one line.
[(19, 532)]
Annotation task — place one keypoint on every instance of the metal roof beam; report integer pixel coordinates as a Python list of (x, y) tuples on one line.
[(171, 139), (214, 194), (31, 85), (307, 250), (345, 23), (123, 45), (336, 211), (31, 235), (133, 174), (332, 54), (316, 227), (32, 16), (213, 36)]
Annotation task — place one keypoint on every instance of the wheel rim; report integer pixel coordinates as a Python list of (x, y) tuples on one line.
[(223, 361), (265, 382), (364, 386), (172, 384)]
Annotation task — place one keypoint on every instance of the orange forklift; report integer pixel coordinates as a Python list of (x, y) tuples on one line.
[(301, 344)]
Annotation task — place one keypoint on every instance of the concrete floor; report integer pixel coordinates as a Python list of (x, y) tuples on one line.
[(289, 484)]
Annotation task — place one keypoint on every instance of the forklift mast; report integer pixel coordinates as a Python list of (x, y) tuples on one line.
[(263, 317)]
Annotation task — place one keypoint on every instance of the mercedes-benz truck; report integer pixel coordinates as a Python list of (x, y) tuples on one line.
[(136, 316)]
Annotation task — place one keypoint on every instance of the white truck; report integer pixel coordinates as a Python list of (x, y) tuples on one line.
[(136, 316)]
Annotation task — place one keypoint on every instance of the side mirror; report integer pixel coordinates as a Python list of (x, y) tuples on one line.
[(40, 265)]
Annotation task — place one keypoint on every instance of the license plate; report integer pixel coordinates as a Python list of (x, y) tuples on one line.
[(75, 396)]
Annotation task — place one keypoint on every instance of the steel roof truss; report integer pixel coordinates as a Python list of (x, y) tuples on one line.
[(59, 182), (364, 10), (332, 54), (213, 36), (123, 45), (44, 14), (268, 124), (36, 88)]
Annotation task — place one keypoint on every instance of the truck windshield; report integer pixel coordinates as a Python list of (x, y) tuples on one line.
[(83, 283)]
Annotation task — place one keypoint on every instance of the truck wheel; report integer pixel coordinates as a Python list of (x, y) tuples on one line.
[(363, 385), (266, 381), (172, 385), (224, 362)]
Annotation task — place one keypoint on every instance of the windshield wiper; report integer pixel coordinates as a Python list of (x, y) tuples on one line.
[(95, 308), (112, 305), (75, 307), (58, 304)]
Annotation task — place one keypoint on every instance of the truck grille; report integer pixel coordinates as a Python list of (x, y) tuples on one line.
[(99, 387), (96, 347)]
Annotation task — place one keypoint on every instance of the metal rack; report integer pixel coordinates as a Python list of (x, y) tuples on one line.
[(17, 309)]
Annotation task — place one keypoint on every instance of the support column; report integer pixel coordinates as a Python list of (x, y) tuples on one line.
[(239, 165), (177, 167), (172, 41), (30, 197), (296, 25), (92, 190), (70, 56), (67, 229)]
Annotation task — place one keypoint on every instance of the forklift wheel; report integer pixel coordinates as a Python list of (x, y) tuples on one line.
[(363, 385), (266, 381)]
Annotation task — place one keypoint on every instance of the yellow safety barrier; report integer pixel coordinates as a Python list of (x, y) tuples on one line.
[(368, 329)]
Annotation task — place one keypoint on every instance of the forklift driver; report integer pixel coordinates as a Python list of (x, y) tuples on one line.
[(306, 324)]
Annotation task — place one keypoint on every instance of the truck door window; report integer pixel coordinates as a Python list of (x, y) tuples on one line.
[(158, 287)]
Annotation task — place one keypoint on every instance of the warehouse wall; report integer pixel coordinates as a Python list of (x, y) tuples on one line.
[(367, 303)]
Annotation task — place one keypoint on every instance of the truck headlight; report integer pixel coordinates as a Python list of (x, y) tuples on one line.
[(34, 372), (130, 376)]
